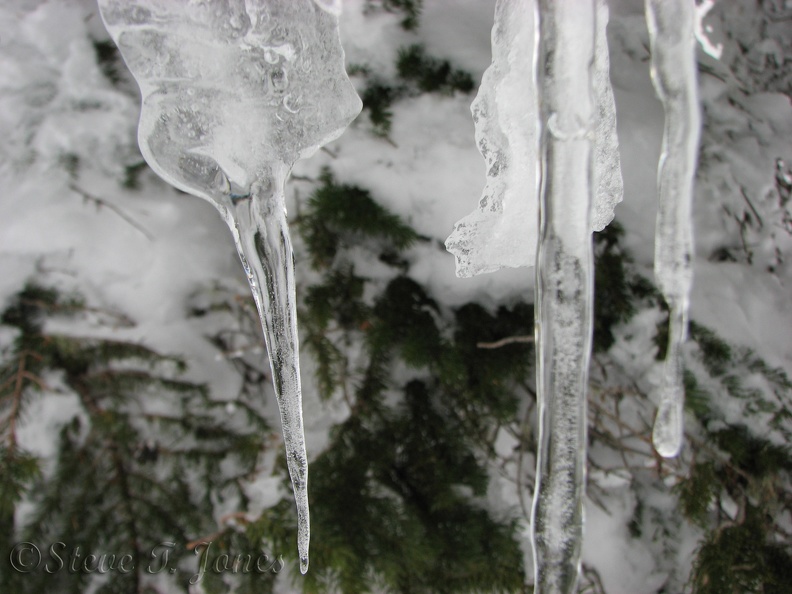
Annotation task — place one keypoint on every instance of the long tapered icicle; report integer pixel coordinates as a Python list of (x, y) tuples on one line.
[(261, 235), (564, 289), (672, 43), (233, 93)]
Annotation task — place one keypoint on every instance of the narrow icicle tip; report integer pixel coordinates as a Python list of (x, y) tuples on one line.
[(667, 433)]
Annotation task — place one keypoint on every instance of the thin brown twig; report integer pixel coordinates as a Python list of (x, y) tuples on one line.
[(504, 341), (102, 202), (208, 539)]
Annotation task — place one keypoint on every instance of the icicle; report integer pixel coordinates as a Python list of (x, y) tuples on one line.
[(608, 182), (233, 93), (502, 231), (564, 280), (673, 48)]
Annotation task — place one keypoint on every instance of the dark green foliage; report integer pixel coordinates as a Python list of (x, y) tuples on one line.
[(27, 310), (127, 475), (395, 495), (635, 523), (18, 469), (404, 318), (71, 163), (237, 554), (400, 509), (429, 74), (715, 353), (741, 552), (338, 299), (739, 560), (488, 373), (341, 214), (338, 296), (753, 455), (661, 332), (377, 99), (410, 9), (417, 73), (697, 491), (739, 374), (109, 60), (697, 400), (617, 289), (132, 173)]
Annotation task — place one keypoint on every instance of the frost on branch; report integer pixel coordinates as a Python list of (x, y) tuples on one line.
[(234, 92)]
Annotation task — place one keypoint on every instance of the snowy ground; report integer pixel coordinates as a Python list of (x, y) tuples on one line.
[(143, 252)]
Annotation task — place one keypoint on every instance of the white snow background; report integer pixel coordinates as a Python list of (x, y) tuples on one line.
[(143, 252)]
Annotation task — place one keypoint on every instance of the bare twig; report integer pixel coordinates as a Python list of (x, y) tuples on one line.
[(102, 202), (504, 341), (751, 206), (208, 539)]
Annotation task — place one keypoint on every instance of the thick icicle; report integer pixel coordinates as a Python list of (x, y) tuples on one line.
[(673, 48), (502, 230), (564, 281), (234, 92)]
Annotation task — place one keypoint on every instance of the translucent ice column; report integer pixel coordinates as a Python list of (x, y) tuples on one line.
[(672, 42), (546, 126), (564, 288), (233, 93), (502, 231)]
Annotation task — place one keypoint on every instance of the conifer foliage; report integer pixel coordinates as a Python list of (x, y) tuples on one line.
[(140, 463)]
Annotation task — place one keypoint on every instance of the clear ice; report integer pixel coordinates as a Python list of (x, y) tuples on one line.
[(673, 47), (564, 287), (503, 229), (233, 93), (545, 121)]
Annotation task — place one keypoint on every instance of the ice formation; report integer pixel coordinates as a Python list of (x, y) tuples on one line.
[(546, 126), (672, 43), (233, 93), (505, 113), (564, 287), (506, 116)]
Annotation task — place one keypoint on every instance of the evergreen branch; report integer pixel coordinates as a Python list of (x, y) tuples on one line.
[(69, 307), (19, 386)]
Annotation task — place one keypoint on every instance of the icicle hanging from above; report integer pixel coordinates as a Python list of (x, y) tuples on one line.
[(504, 228), (672, 39), (233, 93), (505, 112), (563, 44), (564, 287)]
